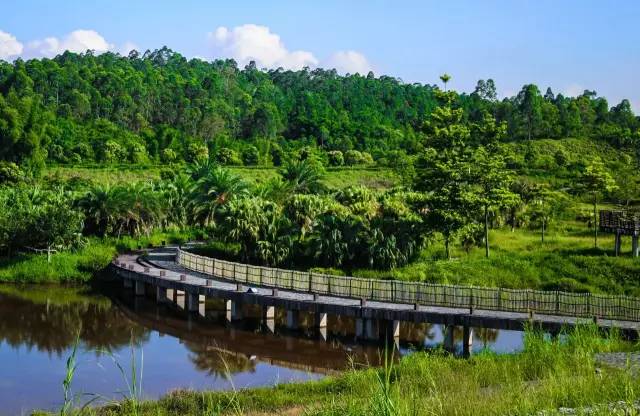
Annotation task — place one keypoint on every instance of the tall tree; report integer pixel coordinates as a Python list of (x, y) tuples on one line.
[(596, 180)]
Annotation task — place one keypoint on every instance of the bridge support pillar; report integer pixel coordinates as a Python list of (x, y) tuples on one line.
[(268, 312), (618, 243), (128, 283), (371, 329), (359, 328), (180, 299), (391, 330), (323, 333), (234, 310), (321, 319), (467, 340), (161, 294), (448, 338), (635, 249), (193, 302), (139, 288), (293, 319)]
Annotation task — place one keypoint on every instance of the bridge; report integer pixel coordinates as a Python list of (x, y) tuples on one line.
[(378, 306)]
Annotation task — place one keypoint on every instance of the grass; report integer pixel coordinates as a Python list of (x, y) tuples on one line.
[(566, 261), (549, 373), (74, 266)]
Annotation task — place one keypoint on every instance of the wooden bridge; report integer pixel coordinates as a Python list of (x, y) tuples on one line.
[(621, 223), (378, 306)]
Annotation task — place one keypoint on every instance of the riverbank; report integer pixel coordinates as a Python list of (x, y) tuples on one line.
[(546, 375)]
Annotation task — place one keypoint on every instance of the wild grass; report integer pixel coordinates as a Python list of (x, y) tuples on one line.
[(565, 261), (548, 374), (73, 266)]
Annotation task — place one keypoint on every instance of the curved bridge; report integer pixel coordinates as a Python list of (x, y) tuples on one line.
[(172, 272)]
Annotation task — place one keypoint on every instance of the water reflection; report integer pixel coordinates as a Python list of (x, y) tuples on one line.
[(39, 326)]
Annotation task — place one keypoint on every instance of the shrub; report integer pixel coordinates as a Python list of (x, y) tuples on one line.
[(250, 155), (336, 158)]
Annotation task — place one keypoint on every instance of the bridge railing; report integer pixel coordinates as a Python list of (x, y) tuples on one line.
[(581, 305)]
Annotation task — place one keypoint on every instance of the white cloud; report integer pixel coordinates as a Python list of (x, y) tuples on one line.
[(251, 42), (77, 41), (128, 47), (9, 45), (349, 62)]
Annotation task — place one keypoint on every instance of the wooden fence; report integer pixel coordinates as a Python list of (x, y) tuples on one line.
[(581, 305)]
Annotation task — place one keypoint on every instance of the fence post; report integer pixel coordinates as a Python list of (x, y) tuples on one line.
[(260, 275), (471, 301), (234, 271), (310, 281), (557, 302)]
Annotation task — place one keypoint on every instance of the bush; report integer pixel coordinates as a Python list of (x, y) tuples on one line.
[(353, 157), (336, 158), (10, 173), (250, 156), (227, 157)]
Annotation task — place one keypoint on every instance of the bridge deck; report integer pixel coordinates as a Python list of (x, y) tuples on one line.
[(132, 266)]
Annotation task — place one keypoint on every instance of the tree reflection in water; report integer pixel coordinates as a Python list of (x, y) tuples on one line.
[(49, 318), (218, 362)]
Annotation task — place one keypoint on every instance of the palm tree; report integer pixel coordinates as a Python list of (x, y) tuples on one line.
[(212, 191), (445, 78), (303, 176), (100, 208)]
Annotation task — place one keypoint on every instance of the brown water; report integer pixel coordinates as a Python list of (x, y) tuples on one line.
[(173, 350)]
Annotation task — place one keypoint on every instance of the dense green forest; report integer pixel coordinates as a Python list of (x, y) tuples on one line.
[(463, 165), (162, 107)]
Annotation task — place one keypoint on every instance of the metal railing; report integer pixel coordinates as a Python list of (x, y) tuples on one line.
[(580, 305)]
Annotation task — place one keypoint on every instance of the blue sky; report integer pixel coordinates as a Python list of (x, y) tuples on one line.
[(570, 45)]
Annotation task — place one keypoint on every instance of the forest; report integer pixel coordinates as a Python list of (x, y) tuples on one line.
[(159, 107), (464, 165)]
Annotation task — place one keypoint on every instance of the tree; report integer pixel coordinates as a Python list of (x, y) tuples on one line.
[(546, 206), (212, 191), (596, 180), (303, 176), (443, 172), (529, 103), (493, 181), (445, 78)]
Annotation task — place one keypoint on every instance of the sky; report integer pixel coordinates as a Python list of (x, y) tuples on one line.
[(568, 45)]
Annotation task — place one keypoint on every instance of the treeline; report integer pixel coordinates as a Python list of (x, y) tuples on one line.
[(161, 107), (290, 220)]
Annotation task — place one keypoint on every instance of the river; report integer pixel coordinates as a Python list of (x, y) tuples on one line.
[(170, 349)]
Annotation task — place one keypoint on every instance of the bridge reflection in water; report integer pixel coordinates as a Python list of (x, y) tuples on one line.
[(39, 326)]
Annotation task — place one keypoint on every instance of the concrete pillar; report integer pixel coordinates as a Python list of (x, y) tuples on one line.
[(323, 333), (635, 249), (359, 328), (268, 312), (139, 288), (128, 283), (270, 324), (371, 329), (234, 310), (180, 300), (392, 329), (293, 319), (467, 340), (321, 319), (161, 294), (193, 302), (618, 242), (448, 338)]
